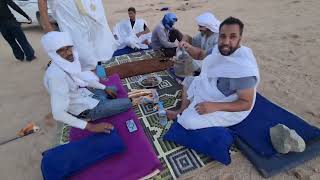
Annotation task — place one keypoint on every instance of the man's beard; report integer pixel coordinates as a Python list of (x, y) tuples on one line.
[(230, 51), (203, 33), (69, 58)]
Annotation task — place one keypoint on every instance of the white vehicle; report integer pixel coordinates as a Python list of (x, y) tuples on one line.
[(31, 8)]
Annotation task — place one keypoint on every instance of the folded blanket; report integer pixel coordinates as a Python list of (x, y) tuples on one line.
[(126, 50), (139, 67), (137, 161), (254, 130), (60, 162)]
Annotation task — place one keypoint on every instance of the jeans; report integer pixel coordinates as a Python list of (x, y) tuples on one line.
[(13, 34), (107, 107)]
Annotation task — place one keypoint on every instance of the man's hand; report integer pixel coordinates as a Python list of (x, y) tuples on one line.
[(139, 34), (184, 45), (206, 108), (112, 94), (30, 20), (100, 127)]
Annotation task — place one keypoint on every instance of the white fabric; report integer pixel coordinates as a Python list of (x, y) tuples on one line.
[(91, 34), (89, 8), (209, 21), (204, 88), (62, 80), (127, 35), (138, 25)]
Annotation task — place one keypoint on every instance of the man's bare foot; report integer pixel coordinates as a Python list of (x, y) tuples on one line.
[(172, 115)]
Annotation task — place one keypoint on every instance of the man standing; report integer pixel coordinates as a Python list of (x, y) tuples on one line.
[(224, 92), (133, 32), (86, 22), (12, 32), (76, 95)]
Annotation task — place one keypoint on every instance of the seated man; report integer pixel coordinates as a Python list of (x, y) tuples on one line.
[(164, 36), (224, 92), (75, 94), (133, 32), (202, 44)]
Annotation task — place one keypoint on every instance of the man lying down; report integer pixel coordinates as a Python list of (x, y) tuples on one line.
[(76, 95), (224, 92)]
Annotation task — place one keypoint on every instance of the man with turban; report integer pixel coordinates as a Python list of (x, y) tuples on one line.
[(202, 44), (164, 35), (75, 94)]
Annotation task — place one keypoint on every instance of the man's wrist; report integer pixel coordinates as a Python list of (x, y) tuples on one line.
[(88, 126), (214, 107)]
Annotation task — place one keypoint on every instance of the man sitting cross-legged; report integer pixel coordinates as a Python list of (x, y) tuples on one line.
[(132, 32), (224, 92), (76, 94)]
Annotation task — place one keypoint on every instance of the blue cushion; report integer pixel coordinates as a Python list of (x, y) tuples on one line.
[(62, 161), (126, 50), (214, 142), (254, 130)]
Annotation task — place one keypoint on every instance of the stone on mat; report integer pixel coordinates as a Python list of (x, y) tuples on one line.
[(286, 140)]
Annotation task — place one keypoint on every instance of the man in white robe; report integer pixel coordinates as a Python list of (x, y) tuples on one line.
[(77, 96), (133, 32), (224, 92), (202, 44), (86, 22)]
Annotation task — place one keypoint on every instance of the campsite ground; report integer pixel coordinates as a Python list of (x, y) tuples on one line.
[(284, 36)]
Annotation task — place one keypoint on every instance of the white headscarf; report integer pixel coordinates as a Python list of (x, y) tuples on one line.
[(209, 21), (51, 42)]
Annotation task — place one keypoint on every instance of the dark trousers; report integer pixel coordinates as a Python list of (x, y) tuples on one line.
[(174, 35), (16, 38)]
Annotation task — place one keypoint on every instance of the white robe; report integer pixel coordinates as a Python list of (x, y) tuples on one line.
[(204, 88), (64, 81), (127, 35), (90, 31)]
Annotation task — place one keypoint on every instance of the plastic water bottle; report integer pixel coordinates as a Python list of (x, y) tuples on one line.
[(162, 114), (101, 72)]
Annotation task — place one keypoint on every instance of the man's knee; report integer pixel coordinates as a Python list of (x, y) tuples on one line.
[(125, 103)]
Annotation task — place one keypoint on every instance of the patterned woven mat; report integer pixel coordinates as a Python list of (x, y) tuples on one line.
[(176, 160)]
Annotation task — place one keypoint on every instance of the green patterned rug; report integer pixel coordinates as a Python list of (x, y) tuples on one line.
[(176, 160)]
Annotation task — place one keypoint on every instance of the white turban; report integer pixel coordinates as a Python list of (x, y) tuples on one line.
[(209, 21), (51, 42)]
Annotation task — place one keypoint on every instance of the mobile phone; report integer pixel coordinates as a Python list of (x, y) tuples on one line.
[(131, 125)]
